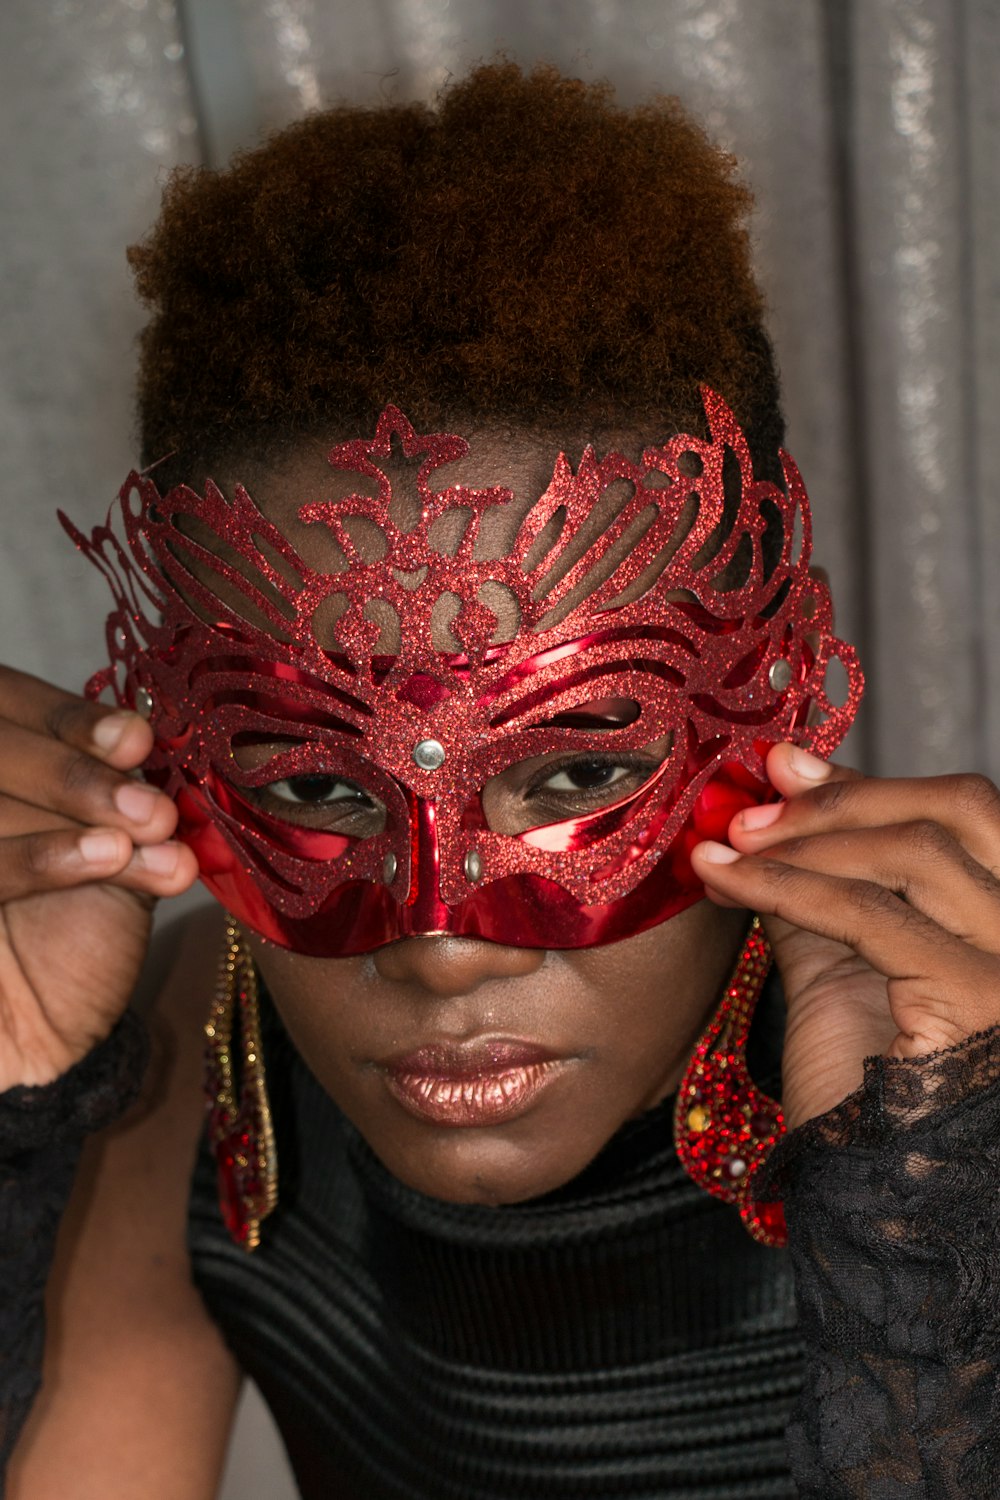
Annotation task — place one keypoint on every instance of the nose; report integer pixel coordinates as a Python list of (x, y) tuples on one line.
[(449, 966)]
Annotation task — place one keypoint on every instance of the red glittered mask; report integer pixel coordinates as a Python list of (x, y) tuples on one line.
[(337, 796)]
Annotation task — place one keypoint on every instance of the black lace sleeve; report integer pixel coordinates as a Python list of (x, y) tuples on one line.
[(893, 1206), (41, 1133)]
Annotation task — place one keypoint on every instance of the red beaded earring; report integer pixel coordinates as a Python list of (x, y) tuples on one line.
[(724, 1127), (240, 1132)]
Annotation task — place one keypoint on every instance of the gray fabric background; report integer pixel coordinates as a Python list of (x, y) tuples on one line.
[(869, 130)]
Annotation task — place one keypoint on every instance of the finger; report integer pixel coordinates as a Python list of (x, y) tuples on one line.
[(967, 806), (120, 737), (944, 987), (794, 770), (18, 817), (164, 869), (57, 778), (921, 862), (34, 863), (167, 869)]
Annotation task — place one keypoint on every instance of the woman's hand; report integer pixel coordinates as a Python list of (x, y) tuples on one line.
[(881, 900), (85, 850)]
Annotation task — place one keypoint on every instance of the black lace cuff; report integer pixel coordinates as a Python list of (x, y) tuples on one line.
[(41, 1133), (89, 1096), (894, 1233)]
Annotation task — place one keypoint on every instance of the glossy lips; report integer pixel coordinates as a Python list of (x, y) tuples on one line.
[(480, 1083)]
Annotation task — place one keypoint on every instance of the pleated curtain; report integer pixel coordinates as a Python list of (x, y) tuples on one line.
[(869, 130)]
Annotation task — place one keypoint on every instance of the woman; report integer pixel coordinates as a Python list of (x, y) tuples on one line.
[(446, 712)]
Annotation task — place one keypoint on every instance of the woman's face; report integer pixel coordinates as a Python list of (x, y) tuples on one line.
[(479, 1072)]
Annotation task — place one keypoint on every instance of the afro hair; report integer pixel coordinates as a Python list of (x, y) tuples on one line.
[(525, 251)]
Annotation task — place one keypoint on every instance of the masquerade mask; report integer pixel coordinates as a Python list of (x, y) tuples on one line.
[(339, 796)]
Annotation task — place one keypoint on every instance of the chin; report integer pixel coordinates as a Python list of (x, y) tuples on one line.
[(488, 1167)]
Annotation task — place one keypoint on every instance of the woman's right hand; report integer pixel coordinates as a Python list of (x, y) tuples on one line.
[(85, 850)]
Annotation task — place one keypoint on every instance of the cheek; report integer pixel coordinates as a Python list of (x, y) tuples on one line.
[(663, 985), (315, 999)]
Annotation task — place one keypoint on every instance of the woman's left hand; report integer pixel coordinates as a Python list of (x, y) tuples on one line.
[(881, 901)]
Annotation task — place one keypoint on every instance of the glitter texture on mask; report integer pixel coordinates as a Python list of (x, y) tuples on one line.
[(695, 650)]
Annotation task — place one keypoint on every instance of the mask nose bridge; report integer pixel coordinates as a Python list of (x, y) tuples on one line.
[(423, 910)]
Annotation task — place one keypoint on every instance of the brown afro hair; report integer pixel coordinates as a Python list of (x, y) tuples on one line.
[(526, 251)]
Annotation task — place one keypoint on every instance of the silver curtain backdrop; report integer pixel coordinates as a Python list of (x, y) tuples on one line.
[(869, 131)]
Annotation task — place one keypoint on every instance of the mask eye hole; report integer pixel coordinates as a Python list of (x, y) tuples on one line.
[(330, 803), (310, 795), (568, 783), (599, 713)]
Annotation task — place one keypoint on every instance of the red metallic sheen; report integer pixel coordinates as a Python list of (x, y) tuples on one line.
[(721, 670)]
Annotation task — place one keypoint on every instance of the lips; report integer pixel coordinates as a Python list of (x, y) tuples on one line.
[(476, 1083)]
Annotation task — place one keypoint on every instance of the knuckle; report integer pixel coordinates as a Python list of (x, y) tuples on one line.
[(871, 900), (792, 848), (924, 837), (37, 858), (976, 796), (832, 796), (986, 881), (64, 719), (82, 775), (776, 875)]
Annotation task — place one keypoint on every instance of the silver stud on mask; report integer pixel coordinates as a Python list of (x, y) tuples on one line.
[(428, 754)]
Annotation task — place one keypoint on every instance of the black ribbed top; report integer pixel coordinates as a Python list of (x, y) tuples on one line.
[(621, 1337)]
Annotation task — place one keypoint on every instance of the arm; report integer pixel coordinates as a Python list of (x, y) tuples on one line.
[(882, 903), (84, 852), (138, 1388), (41, 1134), (894, 1234)]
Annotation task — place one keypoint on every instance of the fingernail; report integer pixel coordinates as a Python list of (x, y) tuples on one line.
[(717, 854), (809, 767), (761, 817), (98, 848), (158, 859), (108, 731), (136, 801)]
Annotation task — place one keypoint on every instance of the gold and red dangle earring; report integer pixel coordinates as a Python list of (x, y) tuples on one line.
[(240, 1131), (724, 1126)]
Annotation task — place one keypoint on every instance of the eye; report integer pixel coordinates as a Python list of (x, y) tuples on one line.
[(593, 776), (584, 782), (331, 803), (317, 791), (587, 776), (551, 788)]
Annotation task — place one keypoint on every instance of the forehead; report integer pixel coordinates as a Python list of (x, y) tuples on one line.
[(369, 503), (519, 459)]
